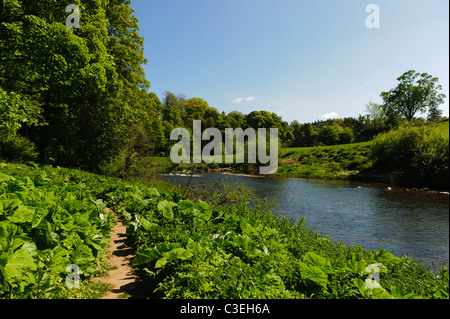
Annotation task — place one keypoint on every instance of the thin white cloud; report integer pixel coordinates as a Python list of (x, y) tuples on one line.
[(241, 99), (331, 115), (360, 87)]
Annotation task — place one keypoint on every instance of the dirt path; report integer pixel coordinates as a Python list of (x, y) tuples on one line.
[(121, 277)]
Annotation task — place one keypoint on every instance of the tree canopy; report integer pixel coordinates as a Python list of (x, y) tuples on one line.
[(416, 92), (86, 83)]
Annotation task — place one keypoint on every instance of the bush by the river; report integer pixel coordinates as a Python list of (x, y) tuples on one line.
[(421, 154)]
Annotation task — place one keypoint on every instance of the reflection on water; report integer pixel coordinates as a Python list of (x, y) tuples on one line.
[(412, 223)]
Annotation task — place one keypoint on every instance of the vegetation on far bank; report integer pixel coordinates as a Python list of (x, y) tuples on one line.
[(410, 156), (414, 156), (326, 162)]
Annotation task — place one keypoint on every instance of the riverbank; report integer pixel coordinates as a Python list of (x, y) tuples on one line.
[(357, 161), (370, 215), (315, 163), (326, 162), (381, 181), (188, 249)]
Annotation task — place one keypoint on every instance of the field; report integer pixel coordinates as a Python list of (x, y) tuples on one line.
[(327, 162), (53, 218)]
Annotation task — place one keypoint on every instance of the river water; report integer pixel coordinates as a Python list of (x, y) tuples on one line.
[(367, 215)]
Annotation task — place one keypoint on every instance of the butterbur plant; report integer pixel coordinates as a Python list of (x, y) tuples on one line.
[(46, 226)]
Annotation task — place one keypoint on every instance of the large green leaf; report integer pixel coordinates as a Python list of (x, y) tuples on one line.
[(146, 224), (82, 255), (152, 192), (163, 253), (51, 234), (62, 219), (313, 273), (6, 178), (39, 215), (146, 255), (8, 232), (59, 260), (385, 257), (174, 254), (165, 207), (9, 205), (21, 215), (312, 259), (18, 263), (81, 224), (161, 262), (186, 205)]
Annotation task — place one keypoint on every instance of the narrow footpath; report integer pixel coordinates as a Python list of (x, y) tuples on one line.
[(121, 278)]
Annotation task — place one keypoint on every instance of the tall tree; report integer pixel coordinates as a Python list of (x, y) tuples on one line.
[(194, 109), (434, 113), (171, 110), (415, 93)]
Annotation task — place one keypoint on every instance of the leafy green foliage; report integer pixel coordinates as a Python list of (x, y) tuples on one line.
[(87, 83), (194, 249), (330, 162), (44, 227), (415, 93), (17, 149), (16, 109), (328, 136), (185, 248), (420, 153)]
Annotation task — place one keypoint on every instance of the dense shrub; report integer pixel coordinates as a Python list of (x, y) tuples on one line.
[(421, 153), (17, 149), (328, 136)]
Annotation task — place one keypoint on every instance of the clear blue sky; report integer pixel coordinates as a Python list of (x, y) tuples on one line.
[(304, 60)]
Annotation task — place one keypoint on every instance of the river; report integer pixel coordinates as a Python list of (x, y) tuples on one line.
[(367, 215)]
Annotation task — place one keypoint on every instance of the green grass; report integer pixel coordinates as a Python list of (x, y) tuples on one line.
[(444, 126), (326, 162)]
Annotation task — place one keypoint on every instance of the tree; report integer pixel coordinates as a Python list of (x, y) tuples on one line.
[(328, 135), (267, 120), (171, 110), (434, 113), (347, 135), (213, 118), (194, 109), (298, 134), (16, 110), (415, 93), (308, 129), (236, 119)]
